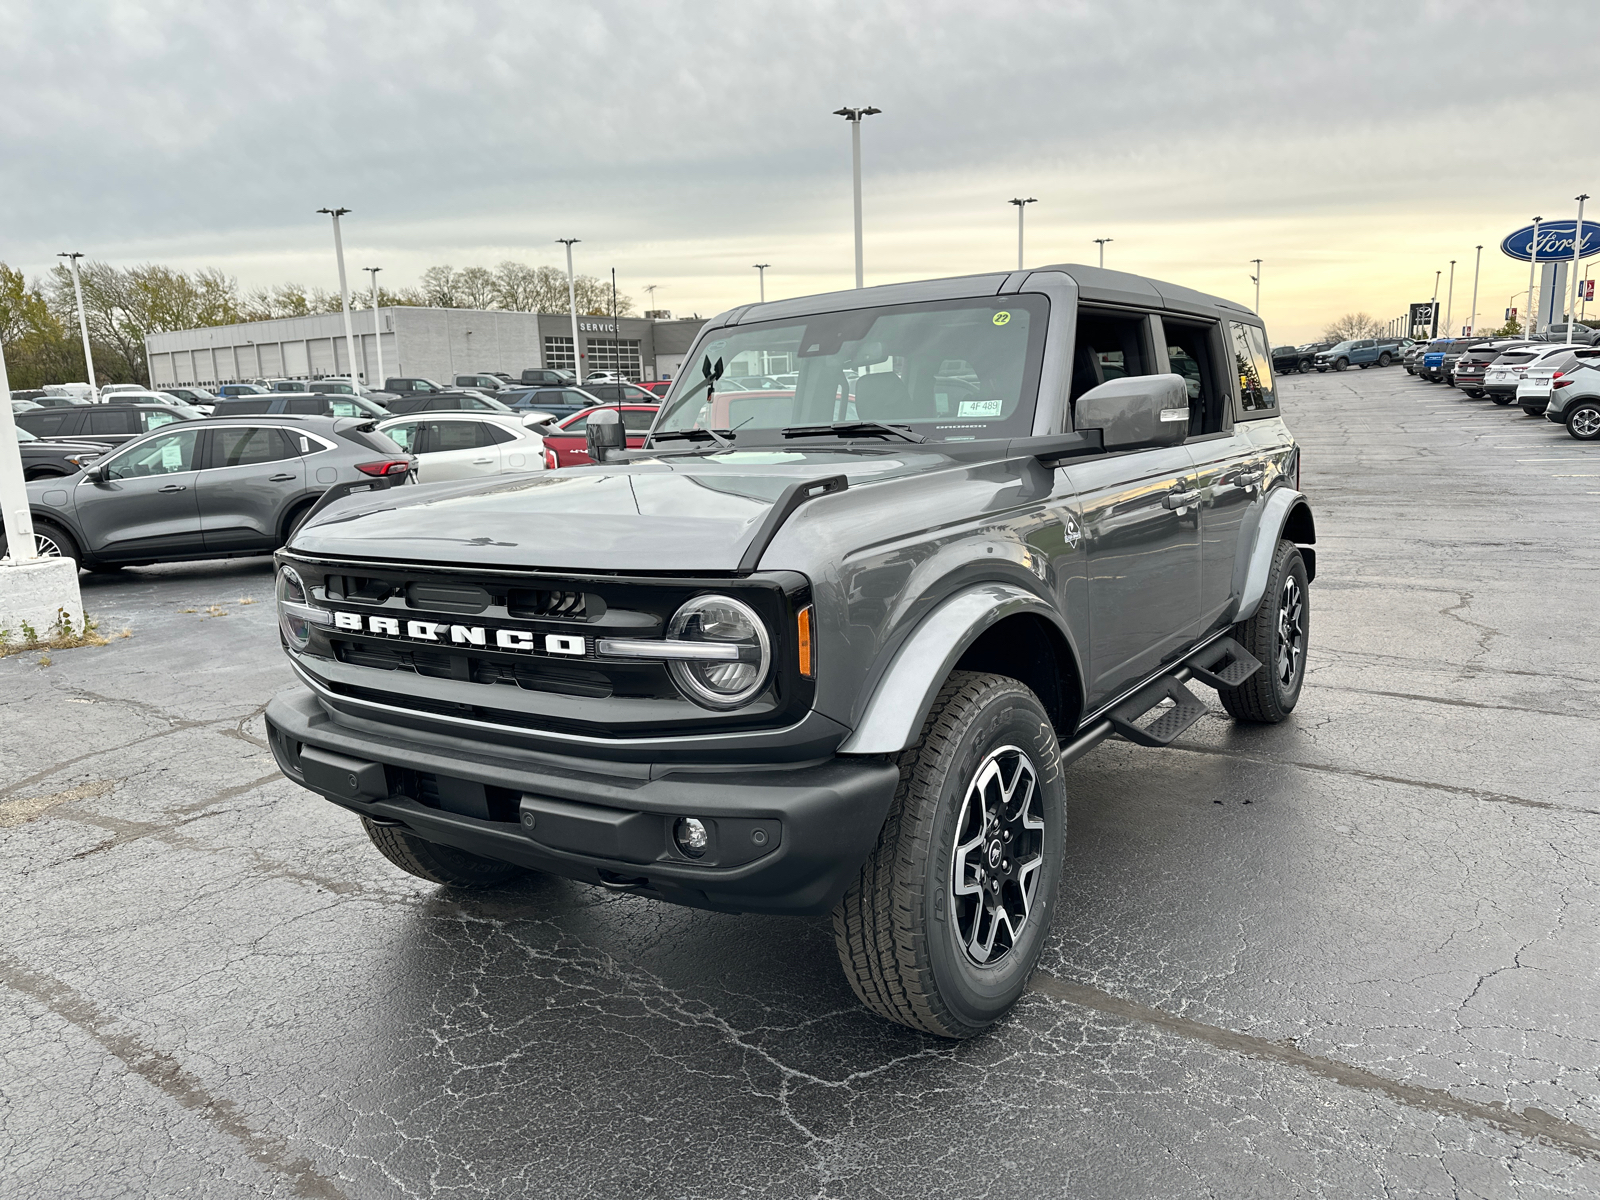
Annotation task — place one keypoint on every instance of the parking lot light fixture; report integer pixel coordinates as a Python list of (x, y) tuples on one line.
[(854, 116), (761, 272), (1021, 204), (1433, 308), (1450, 302), (344, 290), (72, 257), (1577, 253), (377, 326), (1256, 279), (1101, 242), (1477, 261), (572, 309)]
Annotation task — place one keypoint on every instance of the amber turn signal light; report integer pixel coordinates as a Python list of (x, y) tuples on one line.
[(802, 624)]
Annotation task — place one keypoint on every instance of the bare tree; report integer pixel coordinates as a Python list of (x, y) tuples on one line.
[(1352, 326), (475, 287), (439, 287)]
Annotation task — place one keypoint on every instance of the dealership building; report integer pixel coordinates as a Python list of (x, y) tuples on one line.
[(433, 343)]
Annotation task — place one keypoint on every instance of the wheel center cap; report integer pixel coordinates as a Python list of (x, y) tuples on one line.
[(995, 853)]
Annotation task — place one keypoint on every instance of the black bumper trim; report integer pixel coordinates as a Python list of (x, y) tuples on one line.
[(828, 814)]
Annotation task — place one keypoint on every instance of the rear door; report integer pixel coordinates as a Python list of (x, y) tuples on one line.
[(251, 476), (148, 505), (457, 449)]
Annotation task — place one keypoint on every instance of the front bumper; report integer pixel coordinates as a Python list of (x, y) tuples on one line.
[(785, 838)]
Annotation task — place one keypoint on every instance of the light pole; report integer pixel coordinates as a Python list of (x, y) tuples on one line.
[(1433, 308), (377, 327), (761, 273), (72, 258), (344, 291), (1577, 253), (1530, 325), (1101, 242), (572, 308), (1256, 279), (1450, 302), (854, 116), (1476, 262), (1020, 203)]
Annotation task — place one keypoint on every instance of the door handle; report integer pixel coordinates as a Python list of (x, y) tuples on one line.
[(173, 487), (1250, 478), (1179, 500), (478, 462), (279, 478)]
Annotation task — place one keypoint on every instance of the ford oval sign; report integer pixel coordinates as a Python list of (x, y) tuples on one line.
[(1555, 241)]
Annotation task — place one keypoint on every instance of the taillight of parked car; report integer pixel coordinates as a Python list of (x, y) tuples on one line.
[(1560, 380), (550, 461), (385, 466)]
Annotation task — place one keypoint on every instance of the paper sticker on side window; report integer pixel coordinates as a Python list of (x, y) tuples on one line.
[(172, 456), (980, 408)]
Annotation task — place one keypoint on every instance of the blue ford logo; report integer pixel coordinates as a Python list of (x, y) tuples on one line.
[(1555, 241)]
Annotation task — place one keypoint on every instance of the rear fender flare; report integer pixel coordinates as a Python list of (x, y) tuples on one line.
[(1287, 515), (893, 717)]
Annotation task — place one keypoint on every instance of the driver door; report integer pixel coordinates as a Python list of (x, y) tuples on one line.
[(148, 506)]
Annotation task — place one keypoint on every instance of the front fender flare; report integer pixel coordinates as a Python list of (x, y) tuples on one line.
[(1286, 509), (894, 715)]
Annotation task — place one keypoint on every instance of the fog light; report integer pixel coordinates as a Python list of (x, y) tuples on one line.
[(692, 836)]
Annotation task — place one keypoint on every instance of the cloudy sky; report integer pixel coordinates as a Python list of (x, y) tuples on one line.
[(1355, 147)]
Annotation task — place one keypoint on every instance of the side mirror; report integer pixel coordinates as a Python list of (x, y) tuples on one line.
[(604, 433), (96, 473), (1136, 412)]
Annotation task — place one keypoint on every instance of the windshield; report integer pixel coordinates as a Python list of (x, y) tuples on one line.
[(953, 370), (1341, 346)]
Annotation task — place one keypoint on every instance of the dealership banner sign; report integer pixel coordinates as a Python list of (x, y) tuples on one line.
[(1555, 241)]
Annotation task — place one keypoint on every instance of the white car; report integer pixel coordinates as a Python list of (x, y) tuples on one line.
[(1506, 372), (111, 388), (1534, 388), (466, 445)]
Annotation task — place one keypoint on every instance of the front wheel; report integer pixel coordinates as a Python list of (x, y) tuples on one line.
[(1583, 422), (1342, 365), (436, 863), (49, 542), (944, 924), (1278, 635)]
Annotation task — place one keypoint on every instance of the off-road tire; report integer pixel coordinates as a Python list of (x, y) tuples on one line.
[(63, 541), (1267, 697), (1341, 364), (1305, 365), (896, 926), (1583, 421), (436, 863), (1384, 360)]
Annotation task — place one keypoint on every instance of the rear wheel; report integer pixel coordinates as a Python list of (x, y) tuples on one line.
[(436, 863), (1384, 360), (946, 921), (1278, 635), (1502, 401), (1583, 422)]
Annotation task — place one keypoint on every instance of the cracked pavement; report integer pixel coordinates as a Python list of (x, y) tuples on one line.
[(1352, 955)]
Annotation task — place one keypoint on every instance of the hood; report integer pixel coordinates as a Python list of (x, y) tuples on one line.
[(64, 446), (689, 513)]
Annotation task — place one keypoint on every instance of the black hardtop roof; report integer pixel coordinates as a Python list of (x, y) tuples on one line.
[(1095, 285)]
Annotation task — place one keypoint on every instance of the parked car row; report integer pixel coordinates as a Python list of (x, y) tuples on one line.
[(1560, 381)]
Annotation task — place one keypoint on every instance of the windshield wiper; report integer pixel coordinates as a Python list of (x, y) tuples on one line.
[(852, 428), (722, 437)]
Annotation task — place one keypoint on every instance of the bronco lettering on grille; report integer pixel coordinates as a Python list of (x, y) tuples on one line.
[(442, 633)]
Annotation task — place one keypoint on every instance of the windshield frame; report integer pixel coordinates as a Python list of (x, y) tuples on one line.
[(1041, 307)]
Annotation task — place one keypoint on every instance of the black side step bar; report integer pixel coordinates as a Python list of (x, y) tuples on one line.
[(1222, 663)]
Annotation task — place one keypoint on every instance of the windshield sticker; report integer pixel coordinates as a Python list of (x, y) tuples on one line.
[(1000, 318), (979, 408)]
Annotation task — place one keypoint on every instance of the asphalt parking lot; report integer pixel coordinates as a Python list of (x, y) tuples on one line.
[(1352, 955)]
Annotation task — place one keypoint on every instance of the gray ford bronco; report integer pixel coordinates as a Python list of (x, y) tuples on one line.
[(831, 646)]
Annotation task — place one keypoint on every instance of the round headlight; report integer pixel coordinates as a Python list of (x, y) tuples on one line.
[(291, 607), (721, 682)]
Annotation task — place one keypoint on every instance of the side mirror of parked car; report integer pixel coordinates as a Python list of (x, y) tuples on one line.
[(96, 474), (1136, 412), (604, 432)]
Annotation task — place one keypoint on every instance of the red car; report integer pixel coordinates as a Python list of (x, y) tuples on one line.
[(567, 445), (659, 386)]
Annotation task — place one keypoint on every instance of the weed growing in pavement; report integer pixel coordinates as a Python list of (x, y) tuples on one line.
[(245, 600), (63, 635)]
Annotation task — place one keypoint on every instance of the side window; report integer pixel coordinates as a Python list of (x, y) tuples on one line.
[(247, 447), (1253, 365), (344, 408), (49, 424), (456, 435), (304, 406), (496, 433), (576, 428), (403, 435), (1110, 346), (111, 422), (155, 418), (1192, 353), (168, 454), (638, 420)]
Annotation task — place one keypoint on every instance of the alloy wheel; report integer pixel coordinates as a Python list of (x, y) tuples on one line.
[(1291, 632), (45, 545), (994, 869), (1586, 422)]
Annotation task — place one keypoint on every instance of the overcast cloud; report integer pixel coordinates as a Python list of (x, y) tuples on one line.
[(1355, 147)]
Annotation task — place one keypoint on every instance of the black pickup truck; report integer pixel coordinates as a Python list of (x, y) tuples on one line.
[(831, 648)]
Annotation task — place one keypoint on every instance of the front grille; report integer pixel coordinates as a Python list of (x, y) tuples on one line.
[(536, 632)]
